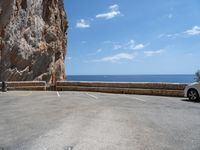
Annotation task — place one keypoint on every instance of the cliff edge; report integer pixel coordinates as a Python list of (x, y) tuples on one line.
[(32, 40)]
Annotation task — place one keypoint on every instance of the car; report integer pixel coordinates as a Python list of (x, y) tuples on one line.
[(192, 91)]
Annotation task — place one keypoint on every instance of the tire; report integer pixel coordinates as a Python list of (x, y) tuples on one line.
[(193, 95)]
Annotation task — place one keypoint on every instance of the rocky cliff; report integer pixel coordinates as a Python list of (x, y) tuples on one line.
[(32, 40)]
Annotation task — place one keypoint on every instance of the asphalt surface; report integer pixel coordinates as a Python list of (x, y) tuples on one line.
[(97, 121)]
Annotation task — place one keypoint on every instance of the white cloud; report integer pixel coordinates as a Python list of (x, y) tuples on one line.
[(97, 51), (113, 12), (82, 23), (131, 45), (117, 58), (191, 32), (194, 31), (171, 36), (114, 7), (139, 46), (117, 46), (153, 53)]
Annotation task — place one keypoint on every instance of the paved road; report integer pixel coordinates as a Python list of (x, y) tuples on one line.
[(97, 121)]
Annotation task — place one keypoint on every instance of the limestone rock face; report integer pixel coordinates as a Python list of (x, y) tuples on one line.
[(32, 40)]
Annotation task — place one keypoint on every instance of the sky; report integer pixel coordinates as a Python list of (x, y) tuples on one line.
[(128, 37)]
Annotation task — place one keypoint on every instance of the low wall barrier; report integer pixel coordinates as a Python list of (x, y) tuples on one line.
[(160, 89), (27, 85)]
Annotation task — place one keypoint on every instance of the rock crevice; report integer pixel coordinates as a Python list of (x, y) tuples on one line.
[(32, 40)]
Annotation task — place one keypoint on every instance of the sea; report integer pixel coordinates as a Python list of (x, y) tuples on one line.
[(134, 78)]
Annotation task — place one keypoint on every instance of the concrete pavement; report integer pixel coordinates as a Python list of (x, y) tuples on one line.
[(97, 121)]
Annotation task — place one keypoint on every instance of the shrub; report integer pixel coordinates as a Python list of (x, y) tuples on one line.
[(197, 74)]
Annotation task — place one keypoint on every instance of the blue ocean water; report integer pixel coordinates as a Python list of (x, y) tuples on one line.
[(134, 78)]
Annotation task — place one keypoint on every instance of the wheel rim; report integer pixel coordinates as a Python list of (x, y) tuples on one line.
[(193, 95)]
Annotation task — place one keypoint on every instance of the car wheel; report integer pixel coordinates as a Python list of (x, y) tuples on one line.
[(193, 95)]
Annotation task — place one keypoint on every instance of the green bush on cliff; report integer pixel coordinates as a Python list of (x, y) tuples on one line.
[(197, 74)]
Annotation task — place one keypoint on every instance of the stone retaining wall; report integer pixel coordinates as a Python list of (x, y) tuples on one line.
[(27, 85), (143, 85), (161, 89)]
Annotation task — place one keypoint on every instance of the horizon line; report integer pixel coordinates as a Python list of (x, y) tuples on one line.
[(121, 74)]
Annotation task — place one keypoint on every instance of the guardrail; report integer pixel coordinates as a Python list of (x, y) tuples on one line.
[(161, 89), (27, 85)]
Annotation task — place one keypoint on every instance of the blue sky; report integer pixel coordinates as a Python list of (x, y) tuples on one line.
[(120, 37)]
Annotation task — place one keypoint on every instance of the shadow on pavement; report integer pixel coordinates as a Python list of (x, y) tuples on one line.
[(187, 100)]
